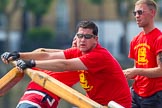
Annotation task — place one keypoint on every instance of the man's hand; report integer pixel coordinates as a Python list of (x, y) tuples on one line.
[(130, 73), (9, 56), (23, 64)]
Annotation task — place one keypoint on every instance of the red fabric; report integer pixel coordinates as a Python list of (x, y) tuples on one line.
[(34, 98), (104, 80), (144, 49), (68, 78)]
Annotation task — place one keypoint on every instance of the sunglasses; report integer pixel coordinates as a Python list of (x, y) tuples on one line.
[(140, 12), (86, 36)]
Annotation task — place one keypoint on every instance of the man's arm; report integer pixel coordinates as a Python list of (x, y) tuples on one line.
[(148, 72), (42, 55), (61, 64), (57, 65), (47, 50)]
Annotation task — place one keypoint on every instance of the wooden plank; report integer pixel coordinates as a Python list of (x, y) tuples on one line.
[(62, 90), (9, 80)]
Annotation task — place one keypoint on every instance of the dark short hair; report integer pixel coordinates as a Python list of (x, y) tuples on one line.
[(88, 25)]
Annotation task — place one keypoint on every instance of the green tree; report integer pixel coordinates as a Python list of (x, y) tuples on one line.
[(39, 37), (38, 8)]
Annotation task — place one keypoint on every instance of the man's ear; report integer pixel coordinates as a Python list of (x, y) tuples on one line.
[(153, 12), (96, 38)]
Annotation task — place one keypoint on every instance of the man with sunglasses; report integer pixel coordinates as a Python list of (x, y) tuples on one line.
[(146, 50), (99, 72)]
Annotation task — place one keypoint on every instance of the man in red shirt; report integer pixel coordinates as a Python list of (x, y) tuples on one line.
[(146, 50), (100, 73)]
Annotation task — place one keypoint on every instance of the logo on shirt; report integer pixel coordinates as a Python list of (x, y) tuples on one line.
[(84, 81), (142, 49)]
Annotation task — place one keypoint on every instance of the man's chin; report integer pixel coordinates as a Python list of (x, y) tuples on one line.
[(139, 25), (83, 49)]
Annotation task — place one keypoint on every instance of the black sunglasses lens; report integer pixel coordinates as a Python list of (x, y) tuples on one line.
[(80, 35), (138, 11), (88, 36)]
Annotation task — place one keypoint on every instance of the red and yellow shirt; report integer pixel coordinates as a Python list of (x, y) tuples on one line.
[(104, 80), (144, 49)]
